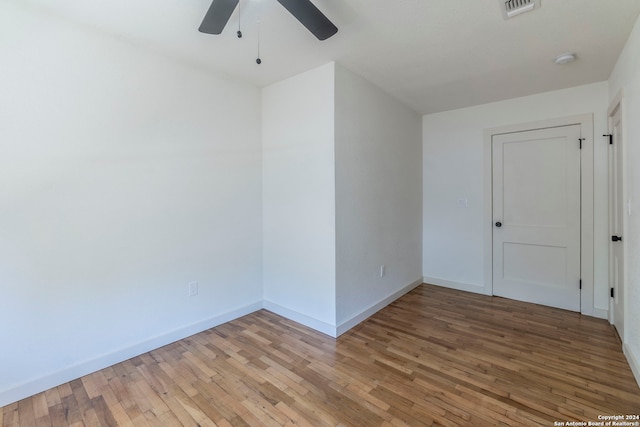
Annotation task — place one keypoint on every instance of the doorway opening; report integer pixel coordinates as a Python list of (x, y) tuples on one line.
[(618, 208)]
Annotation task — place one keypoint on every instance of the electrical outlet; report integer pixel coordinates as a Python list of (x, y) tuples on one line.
[(382, 270), (193, 289), (463, 203)]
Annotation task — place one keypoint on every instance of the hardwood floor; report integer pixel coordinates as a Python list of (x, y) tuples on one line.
[(434, 357)]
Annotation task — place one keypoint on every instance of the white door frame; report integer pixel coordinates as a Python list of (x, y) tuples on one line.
[(616, 104), (587, 198)]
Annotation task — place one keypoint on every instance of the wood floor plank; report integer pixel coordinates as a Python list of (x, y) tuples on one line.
[(434, 357), (57, 414)]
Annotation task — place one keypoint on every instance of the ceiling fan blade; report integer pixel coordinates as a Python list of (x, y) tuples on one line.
[(217, 16), (311, 17)]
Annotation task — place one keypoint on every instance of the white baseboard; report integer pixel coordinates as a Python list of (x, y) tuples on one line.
[(633, 360), (332, 330), (476, 289), (363, 315), (599, 313), (303, 319), (37, 385)]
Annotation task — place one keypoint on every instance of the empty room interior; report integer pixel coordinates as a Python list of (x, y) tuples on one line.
[(319, 212)]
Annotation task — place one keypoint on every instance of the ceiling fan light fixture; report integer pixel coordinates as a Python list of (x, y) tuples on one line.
[(565, 58), (303, 10)]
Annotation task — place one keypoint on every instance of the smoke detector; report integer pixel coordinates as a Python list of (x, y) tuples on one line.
[(511, 8), (565, 58)]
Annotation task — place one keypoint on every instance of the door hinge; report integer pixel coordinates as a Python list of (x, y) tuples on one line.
[(580, 141), (580, 283), (612, 294), (610, 136)]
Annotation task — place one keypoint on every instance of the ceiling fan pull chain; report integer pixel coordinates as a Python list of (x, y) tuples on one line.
[(239, 14), (258, 60)]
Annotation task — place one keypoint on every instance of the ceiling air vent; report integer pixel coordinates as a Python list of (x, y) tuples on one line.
[(511, 8)]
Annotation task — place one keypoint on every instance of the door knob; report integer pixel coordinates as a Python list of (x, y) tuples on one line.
[(498, 224)]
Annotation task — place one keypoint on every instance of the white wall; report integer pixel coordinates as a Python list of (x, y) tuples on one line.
[(378, 198), (341, 196), (299, 198), (123, 176), (626, 79), (453, 245)]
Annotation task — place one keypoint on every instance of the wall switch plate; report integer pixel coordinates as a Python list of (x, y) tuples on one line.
[(463, 203), (193, 289), (382, 270)]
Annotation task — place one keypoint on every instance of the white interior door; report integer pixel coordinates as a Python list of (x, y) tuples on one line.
[(536, 214), (617, 211)]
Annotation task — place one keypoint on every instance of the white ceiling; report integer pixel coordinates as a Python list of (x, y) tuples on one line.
[(434, 55)]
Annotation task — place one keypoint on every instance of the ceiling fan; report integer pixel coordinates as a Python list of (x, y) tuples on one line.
[(303, 10)]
